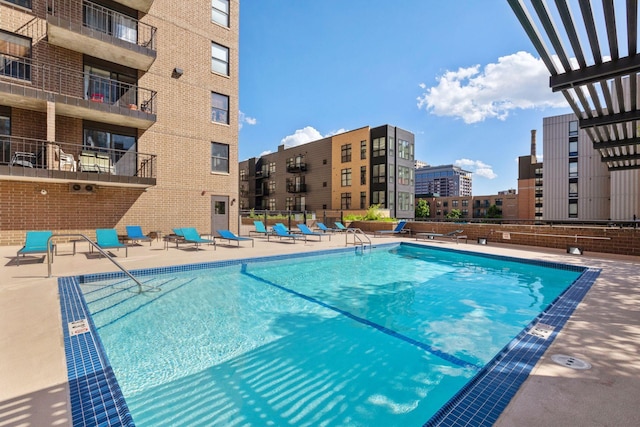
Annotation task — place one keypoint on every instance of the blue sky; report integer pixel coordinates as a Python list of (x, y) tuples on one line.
[(461, 75)]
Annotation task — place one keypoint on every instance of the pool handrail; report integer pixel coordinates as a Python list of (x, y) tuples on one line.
[(98, 248)]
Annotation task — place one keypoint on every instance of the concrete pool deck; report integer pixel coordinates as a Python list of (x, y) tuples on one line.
[(604, 331)]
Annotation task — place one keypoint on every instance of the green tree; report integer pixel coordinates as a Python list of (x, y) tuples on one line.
[(422, 209), (454, 214), (494, 212)]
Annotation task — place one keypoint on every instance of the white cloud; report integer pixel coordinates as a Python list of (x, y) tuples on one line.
[(264, 153), (477, 167), (517, 81), (306, 134), (243, 118)]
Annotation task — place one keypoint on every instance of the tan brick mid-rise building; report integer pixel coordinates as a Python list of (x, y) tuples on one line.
[(349, 171), (117, 112)]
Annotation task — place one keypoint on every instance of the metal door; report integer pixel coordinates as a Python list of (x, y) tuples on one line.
[(219, 213)]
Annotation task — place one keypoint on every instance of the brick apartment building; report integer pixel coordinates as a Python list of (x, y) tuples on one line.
[(117, 112), (348, 171)]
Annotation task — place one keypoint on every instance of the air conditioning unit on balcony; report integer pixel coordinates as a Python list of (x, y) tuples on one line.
[(82, 188)]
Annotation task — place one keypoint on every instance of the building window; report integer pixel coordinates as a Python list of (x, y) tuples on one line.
[(573, 147), (15, 55), (271, 204), (391, 177), (445, 204), (573, 188), (363, 150), (379, 147), (111, 87), (219, 59), (378, 198), (573, 128), (272, 168), (405, 149), (379, 174), (324, 183), (363, 200), (404, 175), (454, 204), (363, 175), (573, 208), (119, 145), (219, 108), (324, 161), (272, 187), (220, 12), (23, 3), (345, 201), (289, 204), (465, 203), (346, 153), (243, 175), (219, 157), (5, 143), (346, 177), (391, 146), (573, 168)]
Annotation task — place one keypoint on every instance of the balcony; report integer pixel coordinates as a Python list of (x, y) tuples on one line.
[(296, 188), (95, 30), (262, 192), (262, 174), (296, 167), (30, 84), (141, 5), (26, 159)]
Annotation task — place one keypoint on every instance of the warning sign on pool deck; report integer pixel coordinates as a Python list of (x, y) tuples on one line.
[(541, 330), (78, 327)]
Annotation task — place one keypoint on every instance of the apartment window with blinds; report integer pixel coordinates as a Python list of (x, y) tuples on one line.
[(15, 56), (405, 149), (573, 146), (379, 174), (219, 59), (220, 12), (573, 128), (378, 198), (573, 168), (363, 150), (219, 157), (219, 108)]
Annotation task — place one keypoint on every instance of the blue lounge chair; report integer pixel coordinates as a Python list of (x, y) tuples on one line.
[(191, 235), (107, 238), (134, 233), (324, 228), (341, 227), (398, 230), (260, 228), (307, 232), (228, 235), (281, 232), (36, 243)]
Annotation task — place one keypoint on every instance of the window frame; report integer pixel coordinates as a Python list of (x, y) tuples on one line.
[(219, 160), (226, 22), (345, 153), (223, 63), (222, 114), (345, 177), (345, 200)]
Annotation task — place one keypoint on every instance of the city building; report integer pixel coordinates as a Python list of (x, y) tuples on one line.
[(349, 171), (116, 112), (474, 207), (530, 194), (577, 183), (443, 181)]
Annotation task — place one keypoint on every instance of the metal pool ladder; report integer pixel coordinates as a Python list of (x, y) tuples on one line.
[(359, 235), (99, 249)]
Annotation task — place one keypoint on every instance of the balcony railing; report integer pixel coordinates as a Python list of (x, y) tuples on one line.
[(107, 21), (262, 174), (45, 159), (296, 167), (32, 74), (296, 188)]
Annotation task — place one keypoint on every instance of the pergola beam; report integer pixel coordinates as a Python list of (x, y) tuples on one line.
[(629, 65)]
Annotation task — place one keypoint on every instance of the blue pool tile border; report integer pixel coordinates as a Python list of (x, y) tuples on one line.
[(96, 398)]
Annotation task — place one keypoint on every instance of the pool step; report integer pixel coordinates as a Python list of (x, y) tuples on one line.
[(109, 303)]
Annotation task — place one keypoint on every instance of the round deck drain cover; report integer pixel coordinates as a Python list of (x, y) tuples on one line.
[(570, 361)]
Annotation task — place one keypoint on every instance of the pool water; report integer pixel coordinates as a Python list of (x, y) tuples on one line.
[(381, 338)]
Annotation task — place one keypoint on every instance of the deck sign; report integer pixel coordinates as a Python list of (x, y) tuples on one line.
[(541, 330), (78, 327)]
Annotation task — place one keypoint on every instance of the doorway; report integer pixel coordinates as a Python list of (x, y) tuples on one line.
[(219, 213)]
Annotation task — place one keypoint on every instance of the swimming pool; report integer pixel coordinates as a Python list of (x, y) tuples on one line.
[(289, 340)]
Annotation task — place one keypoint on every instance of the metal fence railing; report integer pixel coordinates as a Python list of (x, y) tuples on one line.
[(28, 153)]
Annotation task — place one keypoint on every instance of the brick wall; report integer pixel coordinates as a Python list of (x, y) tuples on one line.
[(624, 241)]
